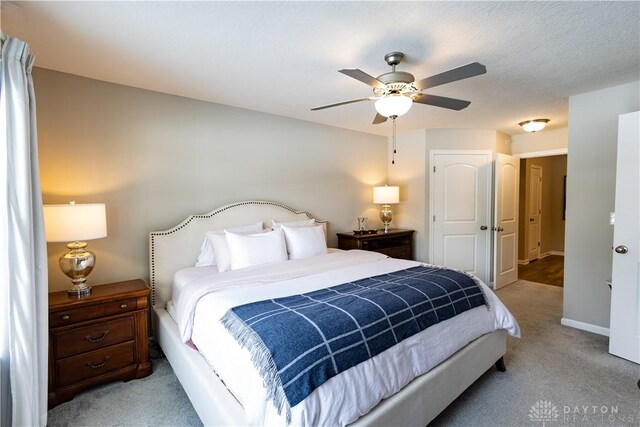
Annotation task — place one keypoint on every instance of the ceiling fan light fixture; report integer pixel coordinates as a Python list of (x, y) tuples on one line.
[(534, 125), (394, 104)]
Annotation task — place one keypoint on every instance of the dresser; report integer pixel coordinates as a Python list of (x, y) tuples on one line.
[(396, 243), (98, 338)]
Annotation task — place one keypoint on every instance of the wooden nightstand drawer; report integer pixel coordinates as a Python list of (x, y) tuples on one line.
[(98, 338), (395, 243), (96, 311), (400, 252), (89, 365), (93, 337)]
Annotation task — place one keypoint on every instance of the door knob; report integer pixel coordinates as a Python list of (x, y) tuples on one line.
[(483, 227), (621, 249), (531, 219)]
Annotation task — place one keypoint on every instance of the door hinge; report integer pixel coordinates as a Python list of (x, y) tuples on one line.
[(538, 243), (434, 218), (434, 169)]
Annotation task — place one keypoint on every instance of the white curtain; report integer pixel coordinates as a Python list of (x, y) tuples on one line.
[(23, 257)]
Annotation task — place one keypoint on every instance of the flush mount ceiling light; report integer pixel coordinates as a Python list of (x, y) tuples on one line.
[(534, 125)]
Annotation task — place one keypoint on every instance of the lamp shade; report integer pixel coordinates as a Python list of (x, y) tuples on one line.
[(386, 195), (393, 105), (71, 222)]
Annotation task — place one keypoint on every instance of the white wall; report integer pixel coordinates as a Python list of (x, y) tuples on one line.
[(155, 158), (591, 168), (547, 141), (412, 164)]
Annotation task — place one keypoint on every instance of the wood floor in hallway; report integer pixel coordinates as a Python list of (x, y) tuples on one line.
[(548, 270)]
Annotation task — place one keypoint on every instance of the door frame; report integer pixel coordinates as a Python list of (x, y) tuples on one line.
[(489, 218)]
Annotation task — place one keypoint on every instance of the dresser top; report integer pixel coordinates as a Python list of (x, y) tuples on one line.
[(393, 232), (99, 293)]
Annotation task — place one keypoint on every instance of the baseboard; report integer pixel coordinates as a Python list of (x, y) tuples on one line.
[(585, 326), (544, 255)]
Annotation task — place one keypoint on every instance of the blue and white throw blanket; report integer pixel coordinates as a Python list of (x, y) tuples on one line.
[(298, 342)]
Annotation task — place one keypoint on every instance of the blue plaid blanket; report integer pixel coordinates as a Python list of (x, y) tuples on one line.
[(299, 342)]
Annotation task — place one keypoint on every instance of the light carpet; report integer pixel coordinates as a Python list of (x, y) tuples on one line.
[(556, 376)]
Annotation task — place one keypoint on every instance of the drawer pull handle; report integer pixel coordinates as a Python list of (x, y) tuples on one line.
[(99, 365), (100, 338), (66, 317), (123, 305)]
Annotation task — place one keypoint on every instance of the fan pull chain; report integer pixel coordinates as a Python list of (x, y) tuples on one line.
[(393, 156)]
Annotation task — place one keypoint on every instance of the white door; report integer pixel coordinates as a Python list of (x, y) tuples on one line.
[(624, 327), (460, 210), (535, 212), (505, 228)]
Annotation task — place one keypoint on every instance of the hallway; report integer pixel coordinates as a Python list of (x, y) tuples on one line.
[(548, 270)]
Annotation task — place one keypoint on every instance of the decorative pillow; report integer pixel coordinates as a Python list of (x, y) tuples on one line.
[(256, 249), (303, 242), (207, 256)]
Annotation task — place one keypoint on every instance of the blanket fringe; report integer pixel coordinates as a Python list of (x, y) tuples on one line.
[(261, 359)]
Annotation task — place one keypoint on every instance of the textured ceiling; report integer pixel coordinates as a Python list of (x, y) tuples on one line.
[(282, 57)]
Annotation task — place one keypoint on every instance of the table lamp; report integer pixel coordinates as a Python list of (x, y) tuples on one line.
[(72, 223), (386, 196)]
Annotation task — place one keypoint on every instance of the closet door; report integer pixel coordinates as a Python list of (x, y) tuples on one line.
[(460, 193)]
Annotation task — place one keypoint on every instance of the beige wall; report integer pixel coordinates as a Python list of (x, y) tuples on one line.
[(554, 169), (412, 164), (548, 142), (155, 158), (591, 182)]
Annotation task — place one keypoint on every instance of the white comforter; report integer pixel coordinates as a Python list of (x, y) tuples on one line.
[(201, 303)]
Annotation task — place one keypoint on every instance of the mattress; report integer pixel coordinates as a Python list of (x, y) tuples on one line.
[(203, 298)]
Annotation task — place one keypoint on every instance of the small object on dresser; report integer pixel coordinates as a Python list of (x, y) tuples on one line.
[(96, 339), (364, 232)]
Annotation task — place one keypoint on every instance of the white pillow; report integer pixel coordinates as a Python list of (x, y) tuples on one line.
[(207, 256), (256, 249), (303, 242), (304, 223)]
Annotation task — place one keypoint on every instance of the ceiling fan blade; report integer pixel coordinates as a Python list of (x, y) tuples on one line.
[(441, 101), (379, 118), (340, 103), (363, 77), (464, 72)]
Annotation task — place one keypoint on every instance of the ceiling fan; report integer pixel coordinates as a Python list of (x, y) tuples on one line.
[(395, 92)]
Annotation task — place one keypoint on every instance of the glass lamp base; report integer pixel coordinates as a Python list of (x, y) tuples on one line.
[(77, 264), (78, 291), (385, 216)]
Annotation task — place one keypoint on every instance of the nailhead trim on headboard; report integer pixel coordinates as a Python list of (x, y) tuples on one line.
[(211, 214)]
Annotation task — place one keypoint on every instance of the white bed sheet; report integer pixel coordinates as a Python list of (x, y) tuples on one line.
[(336, 402)]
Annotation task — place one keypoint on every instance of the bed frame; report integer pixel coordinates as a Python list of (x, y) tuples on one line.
[(415, 405)]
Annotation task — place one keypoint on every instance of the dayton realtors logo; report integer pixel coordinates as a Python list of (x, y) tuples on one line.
[(544, 411)]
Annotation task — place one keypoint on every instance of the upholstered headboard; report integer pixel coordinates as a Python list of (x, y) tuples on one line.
[(178, 247)]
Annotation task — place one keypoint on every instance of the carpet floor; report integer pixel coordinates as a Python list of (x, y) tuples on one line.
[(556, 376)]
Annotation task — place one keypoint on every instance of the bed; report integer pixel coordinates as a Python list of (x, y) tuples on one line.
[(175, 250)]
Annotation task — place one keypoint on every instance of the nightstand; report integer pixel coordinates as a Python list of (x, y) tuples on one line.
[(98, 338), (396, 243)]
